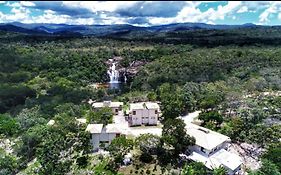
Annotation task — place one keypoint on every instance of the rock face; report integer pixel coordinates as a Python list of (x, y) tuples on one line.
[(135, 67), (128, 72), (250, 154)]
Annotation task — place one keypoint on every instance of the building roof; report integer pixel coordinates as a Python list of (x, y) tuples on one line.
[(107, 104), (144, 105), (51, 122), (230, 160), (98, 128), (221, 157), (112, 128), (81, 120), (205, 138), (94, 128)]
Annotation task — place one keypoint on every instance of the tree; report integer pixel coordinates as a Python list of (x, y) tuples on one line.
[(219, 171), (213, 116), (191, 92), (171, 101), (118, 148), (104, 167), (149, 145), (194, 168), (8, 125), (8, 163), (174, 136), (265, 135), (13, 95), (273, 154), (233, 129), (152, 96), (29, 142), (30, 117), (103, 116), (267, 168), (66, 144)]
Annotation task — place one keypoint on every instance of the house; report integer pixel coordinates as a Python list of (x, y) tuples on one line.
[(210, 149), (103, 135), (115, 106), (144, 113)]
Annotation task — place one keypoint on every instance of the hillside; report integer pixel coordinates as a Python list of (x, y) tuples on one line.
[(230, 73)]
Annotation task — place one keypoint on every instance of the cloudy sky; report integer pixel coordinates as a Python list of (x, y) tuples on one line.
[(141, 13)]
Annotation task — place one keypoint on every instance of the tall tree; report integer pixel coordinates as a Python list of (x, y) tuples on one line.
[(118, 148), (174, 136)]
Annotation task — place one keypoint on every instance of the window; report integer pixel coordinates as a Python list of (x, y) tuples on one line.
[(202, 149), (104, 141), (134, 112), (153, 118), (117, 134), (156, 111)]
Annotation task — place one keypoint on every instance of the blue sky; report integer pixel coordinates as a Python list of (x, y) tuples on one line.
[(142, 13)]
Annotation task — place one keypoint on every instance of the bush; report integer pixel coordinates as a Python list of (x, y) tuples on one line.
[(147, 158), (8, 125)]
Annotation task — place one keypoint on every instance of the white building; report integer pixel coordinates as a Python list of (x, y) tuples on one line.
[(102, 136), (144, 113), (210, 149), (115, 106)]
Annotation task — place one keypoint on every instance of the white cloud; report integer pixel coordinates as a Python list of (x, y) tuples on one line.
[(243, 9), (275, 7), (135, 12), (27, 3), (15, 4), (96, 6), (193, 14), (17, 14), (2, 2)]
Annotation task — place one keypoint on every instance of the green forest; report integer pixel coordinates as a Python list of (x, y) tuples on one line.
[(235, 81)]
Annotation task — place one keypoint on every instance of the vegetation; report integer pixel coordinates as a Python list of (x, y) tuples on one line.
[(102, 116), (232, 76)]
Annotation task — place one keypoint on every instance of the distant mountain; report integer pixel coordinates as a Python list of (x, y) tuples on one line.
[(12, 28), (104, 30)]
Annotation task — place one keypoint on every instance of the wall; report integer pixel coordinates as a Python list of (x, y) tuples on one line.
[(140, 113), (97, 138), (151, 115)]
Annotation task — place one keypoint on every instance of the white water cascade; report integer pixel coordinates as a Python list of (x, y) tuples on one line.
[(125, 78), (113, 74)]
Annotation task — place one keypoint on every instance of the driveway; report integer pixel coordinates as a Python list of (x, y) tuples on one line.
[(190, 117)]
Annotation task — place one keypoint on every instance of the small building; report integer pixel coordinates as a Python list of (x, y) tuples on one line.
[(115, 106), (144, 113), (103, 135), (210, 149)]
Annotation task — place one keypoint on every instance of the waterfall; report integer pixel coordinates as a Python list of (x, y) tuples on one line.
[(125, 78), (113, 74)]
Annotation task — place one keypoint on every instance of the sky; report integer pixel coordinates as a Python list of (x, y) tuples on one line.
[(141, 13)]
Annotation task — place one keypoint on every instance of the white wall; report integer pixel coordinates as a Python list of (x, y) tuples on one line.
[(141, 117), (197, 149), (153, 118), (97, 138), (136, 119)]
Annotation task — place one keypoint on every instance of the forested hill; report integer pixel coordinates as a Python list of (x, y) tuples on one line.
[(254, 35), (46, 76), (198, 34)]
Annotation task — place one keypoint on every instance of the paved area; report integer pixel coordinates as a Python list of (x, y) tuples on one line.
[(135, 131), (190, 117), (156, 130)]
